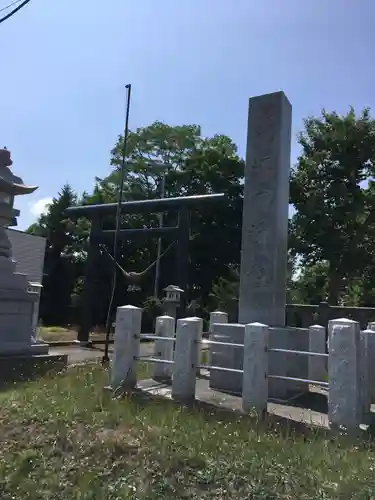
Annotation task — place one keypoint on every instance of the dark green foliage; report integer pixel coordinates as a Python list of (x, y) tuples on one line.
[(311, 285), (62, 264), (152, 308), (334, 219)]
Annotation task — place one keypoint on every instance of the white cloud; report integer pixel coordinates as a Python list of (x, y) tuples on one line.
[(40, 207)]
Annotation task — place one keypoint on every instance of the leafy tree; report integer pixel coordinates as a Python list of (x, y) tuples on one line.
[(64, 256), (225, 294), (334, 219), (152, 307), (310, 286)]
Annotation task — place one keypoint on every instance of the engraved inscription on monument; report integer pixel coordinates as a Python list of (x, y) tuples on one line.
[(264, 250)]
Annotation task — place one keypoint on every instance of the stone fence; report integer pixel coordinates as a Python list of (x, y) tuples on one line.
[(302, 315), (177, 361)]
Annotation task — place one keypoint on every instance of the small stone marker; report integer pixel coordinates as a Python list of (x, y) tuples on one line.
[(126, 347)]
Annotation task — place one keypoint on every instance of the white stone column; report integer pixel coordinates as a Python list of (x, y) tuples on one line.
[(189, 331), (345, 408), (126, 347), (164, 327), (255, 368), (317, 343), (215, 317), (265, 211)]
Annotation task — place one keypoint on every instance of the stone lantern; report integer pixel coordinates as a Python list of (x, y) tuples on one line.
[(172, 300), (16, 301)]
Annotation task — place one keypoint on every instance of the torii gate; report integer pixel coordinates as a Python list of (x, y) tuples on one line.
[(95, 213)]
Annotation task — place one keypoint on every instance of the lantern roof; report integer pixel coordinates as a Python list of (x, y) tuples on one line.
[(10, 183), (173, 288)]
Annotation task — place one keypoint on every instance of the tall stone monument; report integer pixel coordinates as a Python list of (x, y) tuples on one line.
[(264, 242), (17, 341), (265, 211)]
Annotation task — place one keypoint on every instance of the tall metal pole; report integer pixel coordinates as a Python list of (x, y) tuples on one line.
[(117, 228), (157, 268)]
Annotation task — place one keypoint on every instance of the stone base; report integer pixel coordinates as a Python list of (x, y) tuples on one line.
[(19, 368), (16, 321)]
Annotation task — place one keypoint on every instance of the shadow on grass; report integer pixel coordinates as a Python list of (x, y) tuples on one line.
[(30, 372)]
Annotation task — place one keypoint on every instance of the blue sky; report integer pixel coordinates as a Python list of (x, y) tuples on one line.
[(65, 63)]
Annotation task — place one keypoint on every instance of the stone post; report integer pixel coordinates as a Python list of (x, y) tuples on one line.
[(189, 331), (265, 211), (126, 347), (218, 317), (165, 327), (317, 366), (371, 359), (255, 368), (215, 317), (345, 408)]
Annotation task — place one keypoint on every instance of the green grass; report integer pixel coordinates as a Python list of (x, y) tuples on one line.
[(66, 438), (58, 333), (54, 333)]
